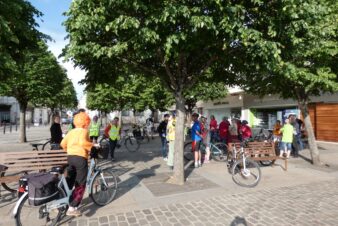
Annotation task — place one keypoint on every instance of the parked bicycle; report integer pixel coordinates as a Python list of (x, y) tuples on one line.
[(140, 132), (128, 140), (45, 146), (218, 151), (101, 186), (245, 172)]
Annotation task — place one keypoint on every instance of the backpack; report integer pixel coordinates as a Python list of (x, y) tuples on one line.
[(42, 188)]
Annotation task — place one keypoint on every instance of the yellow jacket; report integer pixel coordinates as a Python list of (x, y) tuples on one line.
[(77, 142), (171, 130)]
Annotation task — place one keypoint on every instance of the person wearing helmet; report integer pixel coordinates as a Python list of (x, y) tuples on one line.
[(78, 146), (245, 130)]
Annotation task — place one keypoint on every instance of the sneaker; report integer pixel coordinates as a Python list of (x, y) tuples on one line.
[(206, 161), (74, 213), (165, 159), (196, 165), (199, 164)]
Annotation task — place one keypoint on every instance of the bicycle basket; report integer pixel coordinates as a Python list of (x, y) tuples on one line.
[(42, 188)]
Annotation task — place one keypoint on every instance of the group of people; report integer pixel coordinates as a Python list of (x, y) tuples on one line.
[(204, 132), (290, 135)]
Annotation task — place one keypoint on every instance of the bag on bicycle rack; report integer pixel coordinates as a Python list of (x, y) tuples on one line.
[(42, 188)]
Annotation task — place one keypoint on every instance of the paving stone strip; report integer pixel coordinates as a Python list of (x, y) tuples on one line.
[(313, 204)]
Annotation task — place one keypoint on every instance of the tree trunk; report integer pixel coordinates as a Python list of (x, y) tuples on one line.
[(51, 117), (178, 177), (314, 152), (23, 107)]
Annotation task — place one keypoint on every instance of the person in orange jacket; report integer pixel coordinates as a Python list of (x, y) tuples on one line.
[(78, 145)]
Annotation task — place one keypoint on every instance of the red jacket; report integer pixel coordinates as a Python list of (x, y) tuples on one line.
[(246, 131), (213, 124), (224, 129)]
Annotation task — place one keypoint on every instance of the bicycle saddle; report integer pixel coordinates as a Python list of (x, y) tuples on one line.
[(58, 169), (36, 145)]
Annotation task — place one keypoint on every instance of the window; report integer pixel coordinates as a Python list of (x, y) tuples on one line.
[(125, 113)]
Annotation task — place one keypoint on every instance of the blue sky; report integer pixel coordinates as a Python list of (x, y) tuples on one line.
[(51, 24)]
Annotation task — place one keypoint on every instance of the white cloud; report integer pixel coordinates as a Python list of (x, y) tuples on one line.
[(75, 74)]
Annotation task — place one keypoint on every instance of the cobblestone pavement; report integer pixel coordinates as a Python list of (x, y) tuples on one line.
[(308, 204)]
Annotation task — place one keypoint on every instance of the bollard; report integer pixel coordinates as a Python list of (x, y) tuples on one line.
[(10, 127), (16, 126), (4, 128)]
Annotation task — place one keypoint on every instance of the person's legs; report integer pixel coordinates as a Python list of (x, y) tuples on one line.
[(282, 149), (207, 154), (81, 167), (164, 147), (289, 147), (170, 161), (112, 146), (300, 142)]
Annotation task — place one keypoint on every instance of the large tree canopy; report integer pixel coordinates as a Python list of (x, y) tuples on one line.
[(18, 33), (293, 52), (40, 77), (176, 41)]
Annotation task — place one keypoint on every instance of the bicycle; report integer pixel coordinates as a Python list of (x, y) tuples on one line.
[(45, 146), (141, 134), (130, 142), (101, 186), (242, 168), (218, 151)]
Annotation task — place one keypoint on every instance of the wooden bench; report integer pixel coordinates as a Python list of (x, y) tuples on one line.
[(29, 161), (260, 151)]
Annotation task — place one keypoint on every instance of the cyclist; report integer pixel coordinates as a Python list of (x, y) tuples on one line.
[(150, 125), (287, 138), (78, 146), (113, 132), (206, 138), (276, 131), (213, 128), (162, 130), (171, 139), (245, 131), (224, 130), (56, 133), (94, 129), (196, 137)]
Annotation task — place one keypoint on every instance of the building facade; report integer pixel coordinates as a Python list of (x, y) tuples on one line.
[(264, 112)]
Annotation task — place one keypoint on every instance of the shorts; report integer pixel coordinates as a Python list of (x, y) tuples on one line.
[(288, 146), (195, 145)]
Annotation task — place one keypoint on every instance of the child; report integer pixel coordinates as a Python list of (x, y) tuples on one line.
[(287, 131)]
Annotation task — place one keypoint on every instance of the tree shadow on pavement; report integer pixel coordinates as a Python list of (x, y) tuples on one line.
[(239, 221)]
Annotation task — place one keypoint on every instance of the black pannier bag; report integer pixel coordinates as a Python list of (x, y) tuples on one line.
[(42, 188)]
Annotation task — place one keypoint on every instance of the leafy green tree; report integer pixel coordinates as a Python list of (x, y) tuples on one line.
[(292, 51), (176, 41), (18, 33), (40, 77)]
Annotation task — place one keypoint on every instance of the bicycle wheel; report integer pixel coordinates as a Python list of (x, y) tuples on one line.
[(266, 162), (103, 187), (46, 146), (12, 186), (187, 152), (132, 144), (37, 215), (219, 152), (248, 176)]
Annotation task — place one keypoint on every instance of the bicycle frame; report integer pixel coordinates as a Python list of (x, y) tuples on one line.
[(235, 157), (62, 184)]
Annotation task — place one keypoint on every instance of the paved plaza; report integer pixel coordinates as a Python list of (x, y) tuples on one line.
[(304, 195)]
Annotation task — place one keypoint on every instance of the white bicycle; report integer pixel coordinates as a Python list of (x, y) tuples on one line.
[(101, 186)]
